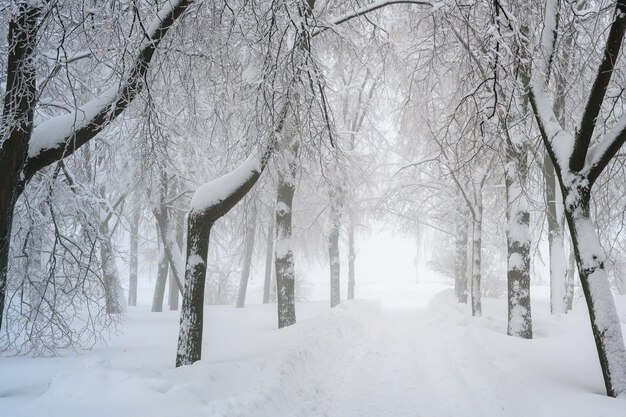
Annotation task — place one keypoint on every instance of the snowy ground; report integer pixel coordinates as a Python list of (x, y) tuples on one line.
[(380, 358)]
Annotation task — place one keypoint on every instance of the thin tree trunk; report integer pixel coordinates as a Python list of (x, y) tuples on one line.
[(476, 260), (174, 289), (351, 260), (558, 262), (518, 245), (285, 272), (247, 259), (571, 276), (460, 264), (161, 280), (114, 296), (134, 258), (269, 255), (333, 254)]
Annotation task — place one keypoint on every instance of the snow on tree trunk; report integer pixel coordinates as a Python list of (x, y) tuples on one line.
[(556, 243), (17, 123), (269, 258), (333, 251), (161, 281), (571, 276), (351, 260), (518, 246), (174, 288), (605, 321), (285, 271), (113, 292), (190, 331), (476, 258), (134, 258), (460, 262), (247, 258)]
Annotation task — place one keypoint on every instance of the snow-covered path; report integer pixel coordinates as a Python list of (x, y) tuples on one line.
[(414, 353)]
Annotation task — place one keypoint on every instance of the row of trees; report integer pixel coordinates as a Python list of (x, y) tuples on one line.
[(473, 125)]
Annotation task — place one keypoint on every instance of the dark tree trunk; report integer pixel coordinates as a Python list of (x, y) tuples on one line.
[(17, 125), (247, 259), (134, 258), (190, 333), (269, 257), (285, 272)]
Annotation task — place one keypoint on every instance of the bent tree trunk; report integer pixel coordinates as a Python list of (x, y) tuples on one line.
[(25, 148), (285, 271), (518, 245), (247, 259), (210, 202)]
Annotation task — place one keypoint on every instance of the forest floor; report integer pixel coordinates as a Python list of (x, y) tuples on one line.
[(414, 352)]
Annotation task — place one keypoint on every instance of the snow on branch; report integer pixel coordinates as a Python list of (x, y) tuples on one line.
[(62, 135), (212, 193), (370, 8), (602, 152)]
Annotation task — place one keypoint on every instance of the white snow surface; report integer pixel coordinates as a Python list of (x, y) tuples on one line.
[(364, 358)]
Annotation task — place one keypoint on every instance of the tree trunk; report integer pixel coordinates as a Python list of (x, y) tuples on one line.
[(191, 316), (285, 272), (17, 124), (161, 280), (114, 296), (594, 281), (556, 242), (476, 260), (460, 264), (571, 276), (351, 260), (518, 245), (269, 254), (134, 258), (247, 259), (174, 289), (333, 254)]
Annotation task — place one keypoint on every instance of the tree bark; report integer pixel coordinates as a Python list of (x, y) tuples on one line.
[(333, 254), (556, 242), (460, 262), (161, 280), (174, 289), (269, 255), (285, 272), (134, 258), (247, 258), (518, 245), (113, 293), (476, 258), (190, 331), (605, 322), (351, 260)]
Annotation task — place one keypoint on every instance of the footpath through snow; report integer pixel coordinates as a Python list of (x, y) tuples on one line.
[(365, 358)]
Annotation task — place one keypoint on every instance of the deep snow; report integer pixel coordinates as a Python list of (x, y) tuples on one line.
[(364, 358)]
